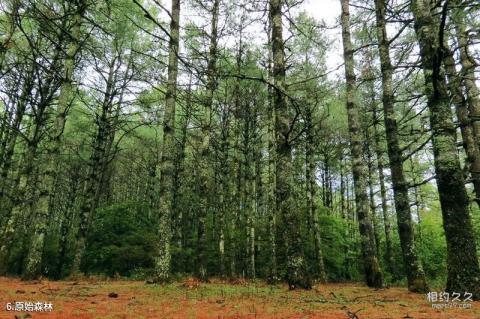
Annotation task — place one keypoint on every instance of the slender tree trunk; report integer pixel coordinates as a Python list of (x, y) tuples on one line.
[(383, 195), (92, 190), (271, 186), (468, 66), (468, 78), (222, 204), (342, 192), (470, 144), (415, 274), (46, 185), (296, 267), (271, 199), (371, 197), (462, 261), (249, 186), (205, 182), (310, 177), (6, 119), (67, 221), (179, 236), (167, 169), (11, 141), (373, 274)]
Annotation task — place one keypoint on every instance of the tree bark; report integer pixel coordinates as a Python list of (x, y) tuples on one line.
[(296, 267), (414, 270), (470, 144), (205, 182), (97, 166), (383, 194), (462, 262), (371, 197), (46, 185), (271, 185), (167, 169), (373, 274), (468, 78), (179, 235), (310, 177)]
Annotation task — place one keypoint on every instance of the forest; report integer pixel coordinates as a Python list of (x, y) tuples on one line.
[(296, 144)]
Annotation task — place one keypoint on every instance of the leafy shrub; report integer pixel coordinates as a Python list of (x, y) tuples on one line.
[(121, 241), (433, 248)]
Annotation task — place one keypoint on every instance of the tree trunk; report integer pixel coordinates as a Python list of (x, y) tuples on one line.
[(92, 190), (271, 185), (371, 197), (462, 262), (11, 140), (415, 274), (68, 220), (383, 195), (373, 274), (249, 180), (296, 268), (46, 185), (179, 235), (310, 177), (167, 169), (470, 144), (205, 182), (472, 92)]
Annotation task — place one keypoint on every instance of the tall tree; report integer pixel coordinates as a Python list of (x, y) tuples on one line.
[(296, 267), (311, 180), (413, 267), (43, 84), (373, 274), (205, 182), (462, 261), (167, 170), (42, 206), (467, 77), (383, 192), (115, 74), (271, 186)]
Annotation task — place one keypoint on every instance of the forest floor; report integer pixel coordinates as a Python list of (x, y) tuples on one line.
[(93, 298)]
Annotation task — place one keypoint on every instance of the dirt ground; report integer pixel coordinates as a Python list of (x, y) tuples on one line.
[(134, 299)]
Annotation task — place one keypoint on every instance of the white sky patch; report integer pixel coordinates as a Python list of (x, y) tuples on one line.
[(328, 11), (321, 10)]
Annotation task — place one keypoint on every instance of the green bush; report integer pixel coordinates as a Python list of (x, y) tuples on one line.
[(433, 248), (335, 246), (121, 240)]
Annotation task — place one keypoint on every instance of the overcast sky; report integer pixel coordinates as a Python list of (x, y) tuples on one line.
[(329, 11), (326, 10)]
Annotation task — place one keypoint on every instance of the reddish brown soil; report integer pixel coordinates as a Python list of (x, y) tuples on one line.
[(90, 299)]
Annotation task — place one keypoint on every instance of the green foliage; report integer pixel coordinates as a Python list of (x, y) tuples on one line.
[(475, 214), (122, 240), (433, 248), (334, 245)]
